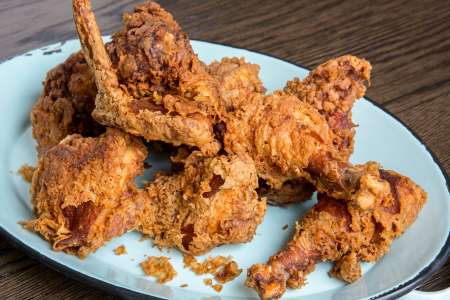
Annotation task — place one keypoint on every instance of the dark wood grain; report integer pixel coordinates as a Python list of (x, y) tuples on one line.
[(408, 43)]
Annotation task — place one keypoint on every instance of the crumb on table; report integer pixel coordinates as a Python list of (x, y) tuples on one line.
[(120, 250), (223, 268), (26, 171), (159, 267)]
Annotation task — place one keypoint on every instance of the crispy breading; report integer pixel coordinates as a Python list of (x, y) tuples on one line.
[(65, 104), (83, 191), (332, 88), (157, 89), (211, 202), (237, 79), (335, 230), (160, 268)]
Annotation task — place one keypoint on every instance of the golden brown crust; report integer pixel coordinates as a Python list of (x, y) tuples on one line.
[(83, 191), (65, 104), (211, 202), (341, 232), (238, 80)]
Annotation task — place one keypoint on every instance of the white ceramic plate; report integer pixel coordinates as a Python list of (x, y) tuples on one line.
[(421, 250)]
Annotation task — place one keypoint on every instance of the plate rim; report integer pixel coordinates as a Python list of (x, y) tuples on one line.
[(393, 293)]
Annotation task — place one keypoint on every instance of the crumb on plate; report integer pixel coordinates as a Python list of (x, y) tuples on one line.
[(228, 273), (120, 250), (159, 267), (183, 285), (26, 171), (285, 227), (207, 281), (217, 287)]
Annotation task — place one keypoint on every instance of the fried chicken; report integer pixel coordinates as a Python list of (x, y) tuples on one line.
[(332, 88), (290, 139), (154, 85), (238, 81), (211, 202), (84, 194), (83, 191), (303, 134), (335, 230), (65, 105)]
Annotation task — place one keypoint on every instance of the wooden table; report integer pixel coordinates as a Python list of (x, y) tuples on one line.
[(408, 43)]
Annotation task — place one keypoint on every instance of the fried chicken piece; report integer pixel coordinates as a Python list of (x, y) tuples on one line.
[(157, 87), (289, 139), (83, 191), (238, 80), (65, 105), (335, 230), (211, 202), (332, 88)]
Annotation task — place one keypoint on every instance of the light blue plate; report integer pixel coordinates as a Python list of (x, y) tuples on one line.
[(380, 137)]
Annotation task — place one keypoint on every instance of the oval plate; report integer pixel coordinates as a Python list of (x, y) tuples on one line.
[(421, 250)]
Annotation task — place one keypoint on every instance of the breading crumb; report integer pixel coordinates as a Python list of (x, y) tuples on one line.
[(26, 171), (183, 285), (217, 287), (285, 227), (159, 267), (228, 273), (223, 268), (120, 250)]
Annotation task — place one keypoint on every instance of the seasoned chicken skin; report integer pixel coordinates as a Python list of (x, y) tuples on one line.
[(335, 230), (211, 202), (156, 87), (237, 79), (332, 88), (83, 191), (66, 104)]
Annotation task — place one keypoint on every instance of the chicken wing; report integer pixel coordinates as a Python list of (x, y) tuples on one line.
[(332, 88), (65, 104), (83, 191), (289, 139), (335, 230), (157, 87), (211, 202)]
